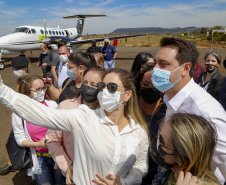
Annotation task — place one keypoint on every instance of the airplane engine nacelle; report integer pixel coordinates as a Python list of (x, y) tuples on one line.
[(7, 52)]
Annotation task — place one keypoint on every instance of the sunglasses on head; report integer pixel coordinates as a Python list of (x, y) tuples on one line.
[(112, 87)]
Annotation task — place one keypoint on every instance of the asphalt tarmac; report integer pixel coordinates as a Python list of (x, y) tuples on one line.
[(124, 60)]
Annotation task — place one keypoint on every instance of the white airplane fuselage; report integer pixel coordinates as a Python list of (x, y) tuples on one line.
[(27, 38)]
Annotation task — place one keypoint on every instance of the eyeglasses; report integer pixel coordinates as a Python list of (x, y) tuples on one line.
[(162, 152), (112, 87), (39, 90)]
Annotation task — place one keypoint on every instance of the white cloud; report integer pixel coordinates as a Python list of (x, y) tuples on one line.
[(172, 15)]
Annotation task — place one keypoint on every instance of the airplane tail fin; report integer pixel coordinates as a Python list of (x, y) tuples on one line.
[(80, 21)]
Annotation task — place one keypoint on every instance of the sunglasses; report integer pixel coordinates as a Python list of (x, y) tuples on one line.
[(159, 145), (112, 87)]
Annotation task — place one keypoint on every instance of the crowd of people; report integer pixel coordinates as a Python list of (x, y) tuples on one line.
[(87, 122)]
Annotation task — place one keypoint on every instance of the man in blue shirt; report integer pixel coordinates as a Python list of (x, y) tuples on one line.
[(109, 54)]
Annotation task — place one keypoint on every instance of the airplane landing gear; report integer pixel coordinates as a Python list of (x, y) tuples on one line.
[(2, 66)]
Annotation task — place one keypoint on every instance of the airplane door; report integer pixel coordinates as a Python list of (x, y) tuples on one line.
[(67, 33)]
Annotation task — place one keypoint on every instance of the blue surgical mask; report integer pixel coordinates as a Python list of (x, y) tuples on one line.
[(70, 74), (160, 79)]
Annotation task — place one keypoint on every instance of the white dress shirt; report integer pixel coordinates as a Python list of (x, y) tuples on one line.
[(195, 100), (62, 73), (98, 145)]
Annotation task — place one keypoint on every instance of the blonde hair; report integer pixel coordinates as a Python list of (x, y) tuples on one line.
[(194, 140), (131, 108)]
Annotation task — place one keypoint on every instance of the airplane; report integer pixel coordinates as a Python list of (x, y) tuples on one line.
[(29, 38)]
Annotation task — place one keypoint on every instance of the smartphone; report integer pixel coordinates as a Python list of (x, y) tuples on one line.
[(44, 72)]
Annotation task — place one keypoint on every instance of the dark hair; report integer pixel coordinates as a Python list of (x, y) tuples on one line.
[(215, 54), (140, 75), (81, 58), (61, 43), (139, 61), (186, 51), (97, 69)]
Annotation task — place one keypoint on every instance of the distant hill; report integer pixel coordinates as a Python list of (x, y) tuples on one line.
[(151, 30)]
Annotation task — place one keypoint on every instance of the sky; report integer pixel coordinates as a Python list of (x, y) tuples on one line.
[(120, 14)]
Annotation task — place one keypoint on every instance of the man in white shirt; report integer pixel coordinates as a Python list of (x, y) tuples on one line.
[(175, 62), (64, 53)]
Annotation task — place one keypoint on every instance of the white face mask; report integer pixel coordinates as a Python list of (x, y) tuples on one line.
[(19, 73), (39, 96), (44, 52), (109, 101), (63, 58)]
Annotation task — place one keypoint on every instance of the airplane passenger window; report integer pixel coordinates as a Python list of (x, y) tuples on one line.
[(50, 32), (56, 32), (60, 32), (33, 31), (42, 32), (46, 32), (53, 32)]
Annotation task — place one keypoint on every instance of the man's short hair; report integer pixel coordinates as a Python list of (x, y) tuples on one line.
[(106, 40), (186, 51), (67, 49), (44, 46), (61, 43)]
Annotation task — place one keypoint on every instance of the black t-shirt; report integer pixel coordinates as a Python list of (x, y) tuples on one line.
[(153, 122), (93, 50), (70, 91)]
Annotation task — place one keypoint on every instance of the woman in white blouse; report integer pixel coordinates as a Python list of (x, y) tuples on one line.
[(110, 143)]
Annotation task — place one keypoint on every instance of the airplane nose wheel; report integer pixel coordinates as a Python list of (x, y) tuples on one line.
[(2, 66)]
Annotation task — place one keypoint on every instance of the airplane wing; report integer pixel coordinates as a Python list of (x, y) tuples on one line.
[(102, 39), (55, 39)]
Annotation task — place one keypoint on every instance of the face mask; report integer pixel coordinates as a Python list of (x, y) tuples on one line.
[(63, 58), (44, 52), (89, 94), (210, 68), (94, 44), (109, 101), (160, 79), (149, 95), (19, 73), (39, 96), (157, 158), (71, 75)]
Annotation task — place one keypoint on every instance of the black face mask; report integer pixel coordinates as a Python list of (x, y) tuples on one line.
[(106, 44), (94, 44), (210, 68), (149, 95), (89, 94), (157, 157)]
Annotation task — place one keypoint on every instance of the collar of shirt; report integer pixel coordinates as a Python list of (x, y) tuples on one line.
[(179, 98), (105, 120)]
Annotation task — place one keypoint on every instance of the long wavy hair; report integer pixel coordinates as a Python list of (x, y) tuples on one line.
[(194, 140), (131, 108)]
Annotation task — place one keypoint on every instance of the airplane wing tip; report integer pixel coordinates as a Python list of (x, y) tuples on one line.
[(83, 16)]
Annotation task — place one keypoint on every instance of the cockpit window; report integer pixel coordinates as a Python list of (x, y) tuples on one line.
[(29, 32), (21, 29)]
